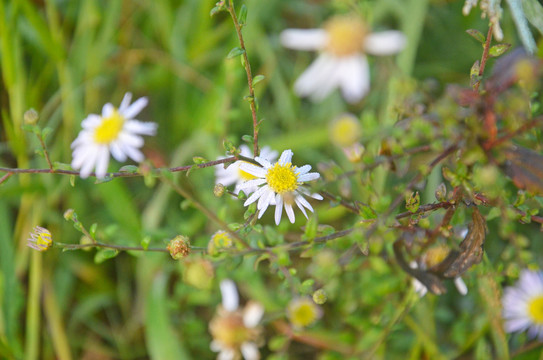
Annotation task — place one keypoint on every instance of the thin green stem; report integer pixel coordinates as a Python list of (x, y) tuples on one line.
[(97, 244), (247, 65)]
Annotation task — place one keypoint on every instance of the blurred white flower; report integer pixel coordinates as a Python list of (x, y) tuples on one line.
[(236, 331), (116, 132), (279, 185), (234, 175), (343, 43), (523, 305)]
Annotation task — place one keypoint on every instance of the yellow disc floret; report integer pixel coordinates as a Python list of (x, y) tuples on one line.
[(346, 35), (535, 309), (282, 178), (302, 312), (109, 129)]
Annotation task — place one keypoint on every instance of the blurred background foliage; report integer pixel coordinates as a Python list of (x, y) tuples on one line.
[(67, 58)]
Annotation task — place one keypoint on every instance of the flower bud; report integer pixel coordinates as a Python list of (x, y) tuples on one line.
[(179, 247), (320, 297), (31, 117), (219, 190), (40, 239)]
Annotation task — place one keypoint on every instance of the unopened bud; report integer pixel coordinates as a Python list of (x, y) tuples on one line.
[(219, 190), (31, 117), (320, 297), (40, 239), (69, 214), (179, 247)]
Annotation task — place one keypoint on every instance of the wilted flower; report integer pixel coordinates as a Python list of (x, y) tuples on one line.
[(116, 132), (523, 305), (432, 257), (40, 239), (303, 312), (234, 175), (344, 42), (279, 184), (198, 273), (220, 240), (236, 331), (179, 247)]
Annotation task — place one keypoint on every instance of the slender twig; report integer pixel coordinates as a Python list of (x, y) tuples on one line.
[(210, 214), (45, 152), (247, 65), (484, 57), (342, 202), (5, 177), (107, 246)]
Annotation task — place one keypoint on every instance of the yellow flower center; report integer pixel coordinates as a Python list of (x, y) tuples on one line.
[(303, 313), (346, 35), (345, 130), (535, 309), (222, 239), (245, 175), (436, 255), (43, 238), (109, 129), (282, 178), (229, 330)]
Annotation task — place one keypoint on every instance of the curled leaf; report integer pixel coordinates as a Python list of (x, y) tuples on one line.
[(525, 168)]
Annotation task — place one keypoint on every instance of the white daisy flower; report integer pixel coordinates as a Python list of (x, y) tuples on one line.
[(40, 239), (343, 43), (236, 331), (279, 185), (234, 175), (116, 132), (523, 305)]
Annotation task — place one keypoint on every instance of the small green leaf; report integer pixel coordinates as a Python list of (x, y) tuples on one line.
[(242, 17), (247, 139), (412, 202), (237, 51), (258, 79), (145, 242), (477, 35), (61, 166), (105, 179), (130, 169), (311, 228), (72, 180), (92, 230), (498, 50), (199, 160), (46, 131), (105, 254)]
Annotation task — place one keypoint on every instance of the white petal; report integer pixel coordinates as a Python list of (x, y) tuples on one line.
[(135, 108), (107, 110), (230, 297), (130, 139), (278, 208), (140, 127), (253, 169), (226, 354), (251, 183), (267, 153), (304, 39), (308, 177), (301, 201), (304, 169), (286, 157), (132, 153), (316, 196), (245, 151), (319, 79), (252, 314), (126, 101), (258, 193), (263, 161), (117, 152), (102, 161), (461, 286), (290, 212), (250, 351), (385, 43), (355, 78), (297, 200)]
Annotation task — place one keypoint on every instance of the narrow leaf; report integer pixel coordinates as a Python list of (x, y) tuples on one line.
[(105, 254), (498, 50), (258, 79), (477, 35), (237, 51)]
